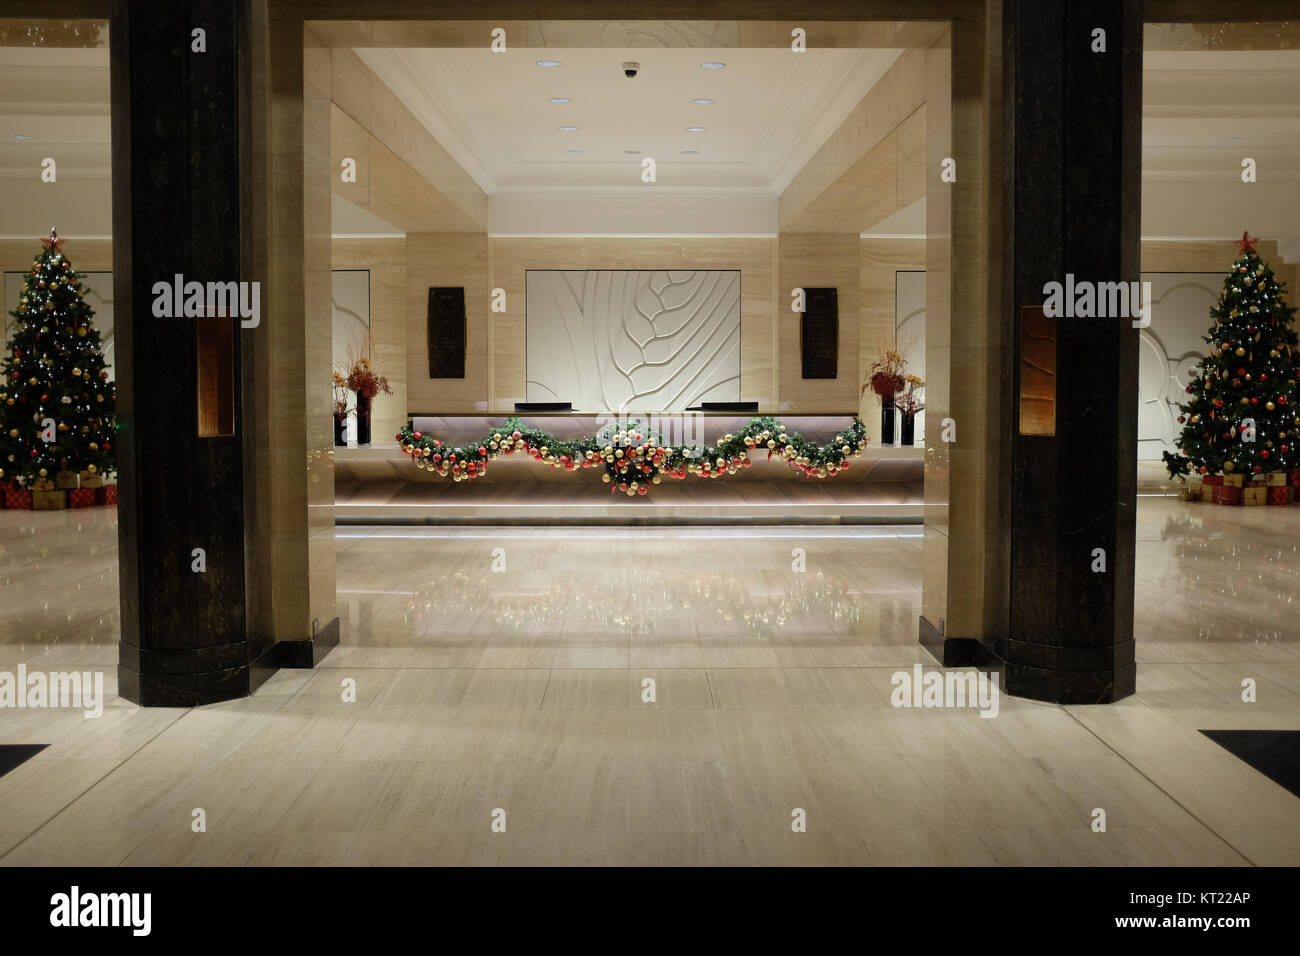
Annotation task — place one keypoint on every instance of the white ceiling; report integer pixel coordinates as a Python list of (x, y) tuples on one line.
[(773, 109)]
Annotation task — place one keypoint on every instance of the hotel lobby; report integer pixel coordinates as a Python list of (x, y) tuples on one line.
[(588, 435)]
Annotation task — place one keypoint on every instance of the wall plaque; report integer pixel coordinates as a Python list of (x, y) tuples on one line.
[(819, 333), (447, 332)]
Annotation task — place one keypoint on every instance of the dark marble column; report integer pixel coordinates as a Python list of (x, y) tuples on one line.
[(176, 210), (1073, 172)]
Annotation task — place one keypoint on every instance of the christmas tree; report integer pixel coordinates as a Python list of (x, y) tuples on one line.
[(1242, 415), (57, 410)]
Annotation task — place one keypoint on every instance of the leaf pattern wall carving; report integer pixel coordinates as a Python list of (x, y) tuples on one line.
[(624, 340)]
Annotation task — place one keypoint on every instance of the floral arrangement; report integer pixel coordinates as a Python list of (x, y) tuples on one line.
[(340, 397), (909, 401), (886, 376), (633, 458), (363, 380)]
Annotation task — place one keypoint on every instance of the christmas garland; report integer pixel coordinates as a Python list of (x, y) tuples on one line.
[(635, 457)]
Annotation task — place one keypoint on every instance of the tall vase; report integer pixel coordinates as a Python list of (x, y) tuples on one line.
[(909, 430), (363, 419), (886, 421), (340, 431)]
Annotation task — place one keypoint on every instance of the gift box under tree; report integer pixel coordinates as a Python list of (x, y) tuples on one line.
[(106, 495), (1280, 494), (81, 497)]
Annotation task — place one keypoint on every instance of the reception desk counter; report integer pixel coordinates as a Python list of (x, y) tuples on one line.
[(380, 484)]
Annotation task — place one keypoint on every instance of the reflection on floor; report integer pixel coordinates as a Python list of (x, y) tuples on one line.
[(524, 689)]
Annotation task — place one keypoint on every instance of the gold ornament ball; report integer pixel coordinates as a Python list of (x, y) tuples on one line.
[(1240, 350), (91, 468), (13, 433), (81, 330), (1228, 466), (2, 473), (93, 446), (32, 380), (1269, 406), (605, 477), (76, 372), (42, 473), (99, 398)]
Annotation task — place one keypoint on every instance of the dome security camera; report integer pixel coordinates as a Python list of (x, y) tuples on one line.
[(630, 70)]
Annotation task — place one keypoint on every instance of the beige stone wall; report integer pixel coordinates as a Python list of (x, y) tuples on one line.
[(447, 259), (813, 260), (385, 259)]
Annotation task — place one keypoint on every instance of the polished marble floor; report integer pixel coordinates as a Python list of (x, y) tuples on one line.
[(504, 669)]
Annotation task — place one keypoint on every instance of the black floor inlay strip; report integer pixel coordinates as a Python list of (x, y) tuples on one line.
[(13, 755), (1274, 753)]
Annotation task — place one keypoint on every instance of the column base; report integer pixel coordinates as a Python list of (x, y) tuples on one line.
[(212, 675), (1093, 679)]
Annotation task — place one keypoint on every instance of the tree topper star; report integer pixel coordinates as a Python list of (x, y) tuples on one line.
[(54, 243), (1245, 243)]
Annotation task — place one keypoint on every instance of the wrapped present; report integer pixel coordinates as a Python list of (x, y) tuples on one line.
[(1280, 496), (1227, 495), (18, 499), (89, 480), (106, 495), (81, 497), (1277, 479), (1212, 480), (49, 500), (1256, 494), (1293, 477), (42, 484), (65, 480), (1234, 480)]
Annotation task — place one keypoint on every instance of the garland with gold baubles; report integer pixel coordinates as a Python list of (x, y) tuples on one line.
[(634, 457)]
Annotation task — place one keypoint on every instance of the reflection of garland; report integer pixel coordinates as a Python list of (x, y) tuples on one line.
[(1257, 580), (734, 600), (634, 457)]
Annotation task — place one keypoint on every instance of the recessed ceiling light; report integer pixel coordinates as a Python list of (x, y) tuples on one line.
[(21, 137), (574, 152), (559, 99), (690, 152), (702, 102), (568, 129), (695, 129), (1236, 139), (548, 62), (713, 65)]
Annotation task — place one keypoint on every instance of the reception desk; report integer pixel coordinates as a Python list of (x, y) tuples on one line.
[(380, 484)]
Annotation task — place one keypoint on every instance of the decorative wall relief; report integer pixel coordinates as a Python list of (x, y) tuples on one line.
[(614, 340), (1169, 351)]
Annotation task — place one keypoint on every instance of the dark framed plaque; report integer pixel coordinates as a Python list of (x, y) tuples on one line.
[(819, 333), (447, 332)]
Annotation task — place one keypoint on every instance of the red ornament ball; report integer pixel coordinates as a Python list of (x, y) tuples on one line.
[(418, 436)]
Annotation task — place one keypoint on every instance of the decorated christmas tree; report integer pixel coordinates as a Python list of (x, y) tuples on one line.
[(57, 411), (1242, 414)]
